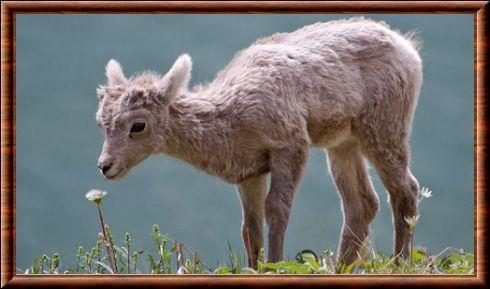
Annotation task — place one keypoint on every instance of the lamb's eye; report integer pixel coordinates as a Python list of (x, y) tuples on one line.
[(138, 126)]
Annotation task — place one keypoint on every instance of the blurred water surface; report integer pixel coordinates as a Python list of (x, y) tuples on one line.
[(60, 62)]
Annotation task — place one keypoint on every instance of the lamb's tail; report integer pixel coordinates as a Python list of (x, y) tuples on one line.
[(414, 38)]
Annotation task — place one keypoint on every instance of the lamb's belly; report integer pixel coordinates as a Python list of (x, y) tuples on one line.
[(329, 135), (235, 169)]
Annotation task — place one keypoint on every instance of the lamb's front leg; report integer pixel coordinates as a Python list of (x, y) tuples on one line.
[(252, 193), (287, 167)]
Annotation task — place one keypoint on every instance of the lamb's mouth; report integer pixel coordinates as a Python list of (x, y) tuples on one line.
[(116, 176)]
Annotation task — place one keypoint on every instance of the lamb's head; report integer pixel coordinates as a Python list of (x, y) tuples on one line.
[(133, 114)]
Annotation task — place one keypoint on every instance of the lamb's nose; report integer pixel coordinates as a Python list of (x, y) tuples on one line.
[(104, 168)]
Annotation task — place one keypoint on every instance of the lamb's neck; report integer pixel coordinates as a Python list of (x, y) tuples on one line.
[(193, 130)]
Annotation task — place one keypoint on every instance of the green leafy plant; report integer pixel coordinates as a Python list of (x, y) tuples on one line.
[(172, 257)]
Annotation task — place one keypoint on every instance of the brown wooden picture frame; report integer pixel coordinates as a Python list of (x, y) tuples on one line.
[(8, 146)]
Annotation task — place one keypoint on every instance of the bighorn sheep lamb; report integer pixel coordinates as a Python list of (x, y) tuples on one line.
[(347, 86)]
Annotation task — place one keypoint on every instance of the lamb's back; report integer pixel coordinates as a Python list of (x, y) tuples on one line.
[(350, 38), (340, 42), (317, 69)]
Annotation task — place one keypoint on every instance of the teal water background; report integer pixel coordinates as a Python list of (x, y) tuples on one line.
[(60, 62)]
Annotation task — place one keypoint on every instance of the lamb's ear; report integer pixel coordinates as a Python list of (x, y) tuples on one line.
[(114, 73), (177, 78), (108, 91)]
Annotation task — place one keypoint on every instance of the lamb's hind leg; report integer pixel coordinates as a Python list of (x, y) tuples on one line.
[(252, 194), (359, 200), (391, 164)]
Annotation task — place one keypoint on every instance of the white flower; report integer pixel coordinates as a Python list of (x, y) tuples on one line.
[(412, 221), (182, 270), (95, 195), (426, 193)]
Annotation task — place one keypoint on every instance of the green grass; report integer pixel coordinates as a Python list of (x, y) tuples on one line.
[(168, 256), (171, 257)]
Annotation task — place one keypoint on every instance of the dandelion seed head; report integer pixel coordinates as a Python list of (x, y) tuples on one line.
[(426, 193), (95, 196)]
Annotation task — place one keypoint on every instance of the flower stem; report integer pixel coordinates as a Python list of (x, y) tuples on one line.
[(108, 250), (128, 247)]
